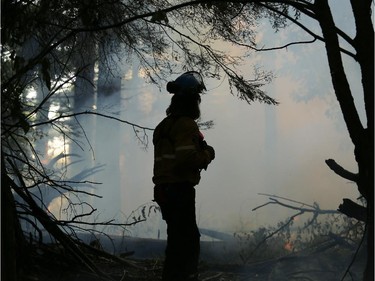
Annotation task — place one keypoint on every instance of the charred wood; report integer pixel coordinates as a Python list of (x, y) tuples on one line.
[(353, 210)]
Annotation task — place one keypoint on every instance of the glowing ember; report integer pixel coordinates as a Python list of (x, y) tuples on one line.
[(288, 246)]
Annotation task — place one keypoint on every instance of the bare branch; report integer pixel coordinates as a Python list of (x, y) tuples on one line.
[(290, 220), (106, 223), (353, 210), (303, 9), (341, 171), (287, 199), (52, 228), (316, 209), (91, 113)]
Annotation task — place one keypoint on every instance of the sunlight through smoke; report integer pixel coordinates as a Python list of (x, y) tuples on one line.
[(56, 146), (53, 110)]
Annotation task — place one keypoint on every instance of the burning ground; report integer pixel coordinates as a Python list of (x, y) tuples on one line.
[(330, 258)]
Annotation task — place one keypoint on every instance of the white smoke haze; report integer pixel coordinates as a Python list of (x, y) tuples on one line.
[(260, 149)]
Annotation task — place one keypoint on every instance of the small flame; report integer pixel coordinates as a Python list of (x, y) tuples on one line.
[(288, 246)]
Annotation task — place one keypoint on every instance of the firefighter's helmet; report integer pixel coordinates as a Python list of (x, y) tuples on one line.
[(190, 82)]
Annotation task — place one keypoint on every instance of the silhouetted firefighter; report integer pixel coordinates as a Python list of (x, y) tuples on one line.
[(180, 154)]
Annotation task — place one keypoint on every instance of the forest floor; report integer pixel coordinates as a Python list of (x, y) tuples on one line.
[(140, 270), (52, 264), (136, 270)]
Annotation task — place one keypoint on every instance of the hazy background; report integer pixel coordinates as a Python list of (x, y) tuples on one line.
[(259, 148)]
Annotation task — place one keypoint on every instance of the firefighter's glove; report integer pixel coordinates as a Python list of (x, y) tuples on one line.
[(210, 151)]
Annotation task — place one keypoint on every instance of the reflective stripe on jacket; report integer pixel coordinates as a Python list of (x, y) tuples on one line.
[(178, 155)]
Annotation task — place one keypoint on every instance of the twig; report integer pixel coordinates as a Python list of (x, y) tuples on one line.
[(287, 199), (52, 228), (355, 254), (312, 209), (108, 223), (109, 256), (213, 277), (276, 231), (123, 276), (61, 116)]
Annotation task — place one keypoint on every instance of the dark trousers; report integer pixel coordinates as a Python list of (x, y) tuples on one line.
[(177, 203)]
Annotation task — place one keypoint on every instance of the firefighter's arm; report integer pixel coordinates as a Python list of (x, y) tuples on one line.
[(187, 147)]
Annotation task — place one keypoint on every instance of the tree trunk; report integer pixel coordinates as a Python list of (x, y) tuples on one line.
[(364, 44), (109, 97), (85, 99), (13, 246), (360, 136), (110, 72)]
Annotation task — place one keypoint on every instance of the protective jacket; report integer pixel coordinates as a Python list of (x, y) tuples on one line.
[(178, 151)]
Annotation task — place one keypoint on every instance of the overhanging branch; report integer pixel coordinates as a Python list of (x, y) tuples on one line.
[(341, 171), (62, 116)]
